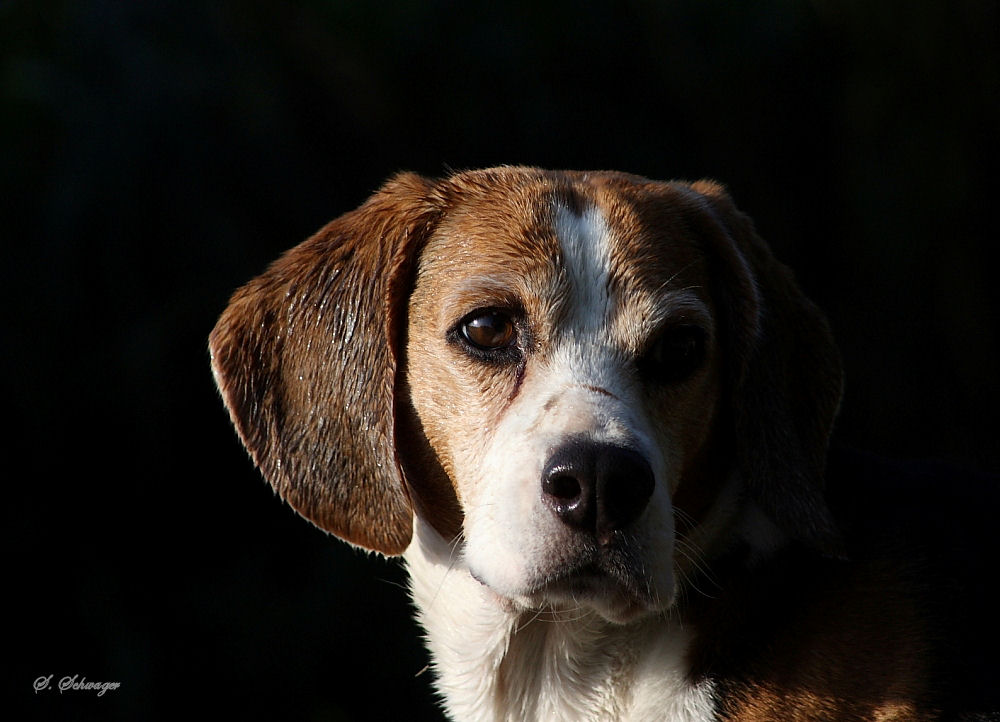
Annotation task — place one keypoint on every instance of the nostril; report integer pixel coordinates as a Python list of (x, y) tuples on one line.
[(563, 487), (568, 486), (624, 484)]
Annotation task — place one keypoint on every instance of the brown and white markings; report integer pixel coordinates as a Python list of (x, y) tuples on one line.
[(592, 412)]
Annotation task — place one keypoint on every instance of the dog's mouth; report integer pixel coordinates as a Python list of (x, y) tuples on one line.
[(615, 591), (609, 581)]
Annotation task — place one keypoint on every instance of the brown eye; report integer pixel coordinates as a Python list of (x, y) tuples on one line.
[(489, 331)]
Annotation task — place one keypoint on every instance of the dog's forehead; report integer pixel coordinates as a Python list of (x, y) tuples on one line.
[(496, 230), (573, 239), (510, 230)]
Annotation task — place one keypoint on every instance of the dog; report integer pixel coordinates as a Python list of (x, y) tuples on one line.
[(593, 413)]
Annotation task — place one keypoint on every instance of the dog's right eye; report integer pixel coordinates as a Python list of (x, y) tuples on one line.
[(488, 331)]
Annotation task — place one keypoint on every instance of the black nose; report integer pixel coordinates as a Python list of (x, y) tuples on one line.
[(597, 487)]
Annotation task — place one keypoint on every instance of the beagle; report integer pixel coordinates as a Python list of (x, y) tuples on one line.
[(592, 413)]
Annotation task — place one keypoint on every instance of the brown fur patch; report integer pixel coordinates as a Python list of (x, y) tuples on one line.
[(304, 358)]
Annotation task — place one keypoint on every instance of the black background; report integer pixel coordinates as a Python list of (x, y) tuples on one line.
[(156, 155)]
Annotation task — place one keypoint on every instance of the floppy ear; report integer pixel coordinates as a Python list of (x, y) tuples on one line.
[(305, 357), (785, 378)]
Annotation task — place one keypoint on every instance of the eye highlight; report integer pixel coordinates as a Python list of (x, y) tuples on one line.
[(676, 354)]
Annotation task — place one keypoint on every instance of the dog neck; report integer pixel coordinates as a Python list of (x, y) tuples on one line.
[(495, 662)]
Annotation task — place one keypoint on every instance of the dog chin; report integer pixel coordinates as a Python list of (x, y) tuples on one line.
[(616, 608), (617, 597), (619, 601)]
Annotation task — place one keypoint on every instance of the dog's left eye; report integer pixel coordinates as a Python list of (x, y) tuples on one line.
[(488, 330), (677, 354)]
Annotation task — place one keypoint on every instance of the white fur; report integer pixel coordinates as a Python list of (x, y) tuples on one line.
[(585, 242), (496, 663)]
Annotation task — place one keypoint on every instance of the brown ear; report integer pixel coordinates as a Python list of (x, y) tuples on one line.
[(785, 380), (305, 357)]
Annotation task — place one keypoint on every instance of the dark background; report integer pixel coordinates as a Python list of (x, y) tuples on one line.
[(156, 155)]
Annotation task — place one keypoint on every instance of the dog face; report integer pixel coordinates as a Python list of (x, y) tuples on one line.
[(561, 371), (563, 366)]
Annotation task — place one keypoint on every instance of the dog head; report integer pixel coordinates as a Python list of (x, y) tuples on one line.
[(559, 370)]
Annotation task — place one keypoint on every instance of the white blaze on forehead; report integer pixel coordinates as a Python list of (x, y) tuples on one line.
[(585, 241)]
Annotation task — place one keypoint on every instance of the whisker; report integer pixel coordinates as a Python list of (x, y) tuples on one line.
[(670, 280), (688, 582), (453, 558), (534, 617), (693, 553)]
